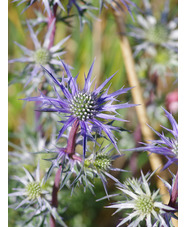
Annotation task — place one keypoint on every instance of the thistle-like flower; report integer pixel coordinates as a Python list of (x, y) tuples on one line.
[(33, 189), (144, 204), (167, 146), (98, 164), (34, 197), (90, 108), (153, 32), (42, 55)]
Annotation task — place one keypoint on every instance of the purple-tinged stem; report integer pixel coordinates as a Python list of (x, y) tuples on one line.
[(51, 17), (54, 202), (50, 20), (70, 150), (72, 139), (174, 195)]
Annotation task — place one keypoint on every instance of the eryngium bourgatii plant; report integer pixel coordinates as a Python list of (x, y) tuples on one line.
[(91, 108)]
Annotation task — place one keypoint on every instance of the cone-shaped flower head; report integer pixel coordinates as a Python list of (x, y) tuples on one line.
[(145, 205), (90, 108)]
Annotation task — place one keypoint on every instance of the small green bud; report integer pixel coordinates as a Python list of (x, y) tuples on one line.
[(102, 162)]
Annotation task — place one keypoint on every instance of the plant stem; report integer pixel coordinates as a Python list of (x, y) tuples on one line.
[(51, 17), (154, 159), (72, 138), (70, 150), (54, 202), (50, 20), (174, 194)]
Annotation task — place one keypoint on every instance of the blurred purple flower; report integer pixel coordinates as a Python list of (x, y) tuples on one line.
[(99, 164), (90, 108), (42, 55), (165, 145)]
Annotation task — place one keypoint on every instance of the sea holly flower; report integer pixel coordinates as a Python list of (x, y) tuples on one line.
[(144, 204), (33, 189), (75, 171), (42, 55), (33, 196), (90, 108), (98, 164), (166, 145), (152, 32)]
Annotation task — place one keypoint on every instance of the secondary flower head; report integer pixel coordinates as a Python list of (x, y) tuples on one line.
[(33, 189), (42, 55), (166, 145), (153, 32), (90, 108), (145, 205), (34, 198), (98, 164)]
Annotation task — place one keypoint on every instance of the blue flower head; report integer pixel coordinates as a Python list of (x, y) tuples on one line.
[(90, 108)]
